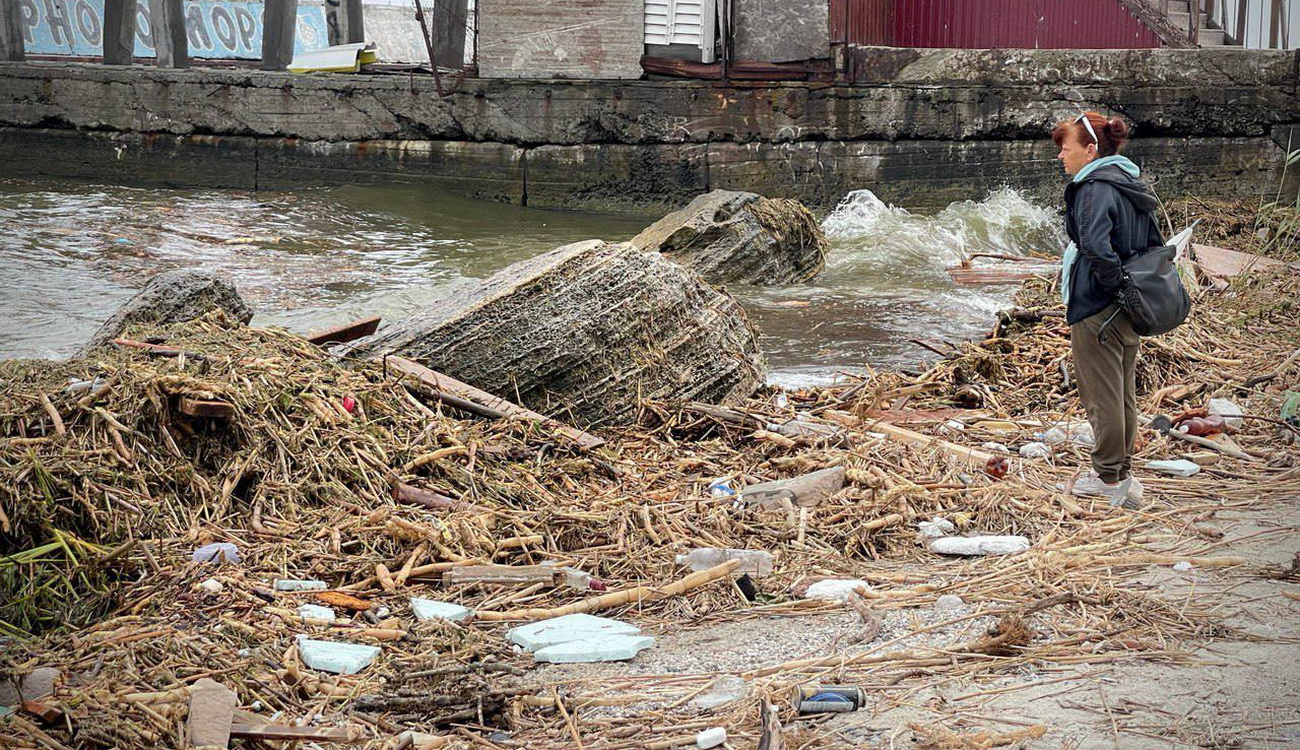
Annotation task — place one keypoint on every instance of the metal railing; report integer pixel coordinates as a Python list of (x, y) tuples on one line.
[(1257, 24)]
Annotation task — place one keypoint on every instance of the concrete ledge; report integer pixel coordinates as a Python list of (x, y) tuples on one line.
[(913, 95), (926, 174)]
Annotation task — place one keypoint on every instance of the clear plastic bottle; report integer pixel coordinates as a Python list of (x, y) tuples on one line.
[(581, 580), (754, 562)]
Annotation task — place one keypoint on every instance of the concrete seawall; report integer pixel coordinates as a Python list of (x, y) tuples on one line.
[(928, 127)]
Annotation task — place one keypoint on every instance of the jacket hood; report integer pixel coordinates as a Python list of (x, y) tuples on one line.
[(1124, 176)]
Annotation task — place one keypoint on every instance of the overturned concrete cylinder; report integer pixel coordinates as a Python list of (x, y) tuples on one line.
[(173, 297), (743, 238), (584, 332)]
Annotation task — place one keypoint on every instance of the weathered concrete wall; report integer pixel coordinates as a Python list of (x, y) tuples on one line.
[(933, 126), (581, 39), (781, 30)]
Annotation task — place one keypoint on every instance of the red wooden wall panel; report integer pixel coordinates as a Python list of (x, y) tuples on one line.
[(975, 24)]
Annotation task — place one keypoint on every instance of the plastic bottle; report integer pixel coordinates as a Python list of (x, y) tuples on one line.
[(1207, 425), (581, 580), (754, 562), (720, 489)]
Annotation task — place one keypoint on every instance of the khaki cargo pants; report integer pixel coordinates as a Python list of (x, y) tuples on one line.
[(1107, 376)]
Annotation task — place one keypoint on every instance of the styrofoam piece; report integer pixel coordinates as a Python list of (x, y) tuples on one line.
[(334, 657), (604, 647), (1230, 412), (573, 627), (429, 609), (1180, 468), (316, 612), (711, 737), (835, 589), (978, 545), (290, 584)]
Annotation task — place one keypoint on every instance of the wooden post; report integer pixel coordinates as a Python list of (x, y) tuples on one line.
[(344, 21), (11, 33), (119, 31), (279, 26), (171, 45), (1275, 25)]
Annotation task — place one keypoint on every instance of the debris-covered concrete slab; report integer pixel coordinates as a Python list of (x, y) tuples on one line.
[(591, 327), (173, 297), (737, 237)]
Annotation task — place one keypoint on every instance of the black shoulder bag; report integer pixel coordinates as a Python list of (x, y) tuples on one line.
[(1152, 293)]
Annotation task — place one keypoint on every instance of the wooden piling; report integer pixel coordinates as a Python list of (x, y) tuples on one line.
[(172, 45), (11, 33), (279, 24), (119, 31)]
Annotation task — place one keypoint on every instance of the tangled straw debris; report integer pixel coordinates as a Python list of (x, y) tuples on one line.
[(109, 488)]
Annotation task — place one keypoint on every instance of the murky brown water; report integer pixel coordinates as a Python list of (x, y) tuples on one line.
[(318, 257)]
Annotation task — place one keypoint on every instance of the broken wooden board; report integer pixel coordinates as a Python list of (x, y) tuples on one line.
[(405, 493), (1001, 274), (446, 383), (1224, 263), (195, 407), (357, 329), (904, 435), (212, 710), (502, 574)]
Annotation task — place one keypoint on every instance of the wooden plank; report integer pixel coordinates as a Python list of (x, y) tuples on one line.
[(11, 32), (279, 25), (278, 732), (1219, 261), (1000, 274), (357, 329), (344, 22), (405, 493), (119, 31), (171, 44), (200, 408), (155, 349), (46, 713), (502, 574), (441, 382), (910, 437)]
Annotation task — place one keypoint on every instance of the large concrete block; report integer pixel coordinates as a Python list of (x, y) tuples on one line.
[(173, 297), (585, 332), (739, 237)]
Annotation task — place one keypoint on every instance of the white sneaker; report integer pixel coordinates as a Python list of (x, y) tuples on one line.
[(1136, 492), (1090, 485)]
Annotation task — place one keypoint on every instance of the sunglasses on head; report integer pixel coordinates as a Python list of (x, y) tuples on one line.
[(1083, 118)]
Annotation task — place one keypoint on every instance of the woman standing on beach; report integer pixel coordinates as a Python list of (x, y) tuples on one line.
[(1109, 216)]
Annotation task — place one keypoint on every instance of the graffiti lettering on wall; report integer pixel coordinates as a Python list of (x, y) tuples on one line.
[(216, 28)]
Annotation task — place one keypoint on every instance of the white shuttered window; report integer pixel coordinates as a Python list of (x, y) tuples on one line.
[(691, 22)]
